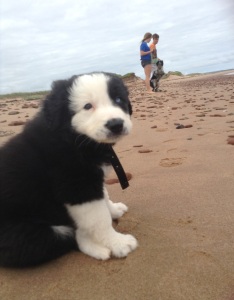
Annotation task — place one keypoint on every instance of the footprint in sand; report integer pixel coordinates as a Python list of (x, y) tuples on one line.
[(173, 149), (171, 162), (16, 123), (6, 133), (230, 140), (168, 141), (116, 180), (145, 151), (161, 129)]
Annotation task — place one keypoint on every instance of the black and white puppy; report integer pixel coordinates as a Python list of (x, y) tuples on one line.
[(157, 75), (52, 193)]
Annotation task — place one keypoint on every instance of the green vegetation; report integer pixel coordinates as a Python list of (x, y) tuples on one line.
[(26, 96), (177, 73), (128, 75), (194, 74), (41, 94)]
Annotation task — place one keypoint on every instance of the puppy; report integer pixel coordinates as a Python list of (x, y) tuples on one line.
[(52, 194), (157, 75)]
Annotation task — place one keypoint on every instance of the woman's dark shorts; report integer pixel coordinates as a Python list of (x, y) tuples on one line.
[(145, 63)]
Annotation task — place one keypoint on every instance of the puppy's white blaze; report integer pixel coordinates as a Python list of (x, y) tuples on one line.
[(93, 123), (88, 89), (93, 89)]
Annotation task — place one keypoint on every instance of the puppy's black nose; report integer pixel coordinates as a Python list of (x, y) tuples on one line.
[(115, 125)]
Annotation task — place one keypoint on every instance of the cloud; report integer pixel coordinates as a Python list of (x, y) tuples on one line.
[(42, 41)]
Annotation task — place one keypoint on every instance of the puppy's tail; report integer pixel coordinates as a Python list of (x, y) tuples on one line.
[(29, 244)]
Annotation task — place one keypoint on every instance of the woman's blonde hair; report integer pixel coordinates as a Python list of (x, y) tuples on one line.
[(147, 36)]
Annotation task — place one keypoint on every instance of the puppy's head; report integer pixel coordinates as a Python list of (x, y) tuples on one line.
[(159, 64), (100, 107)]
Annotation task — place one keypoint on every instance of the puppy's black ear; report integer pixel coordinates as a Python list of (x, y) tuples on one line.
[(129, 103), (56, 105)]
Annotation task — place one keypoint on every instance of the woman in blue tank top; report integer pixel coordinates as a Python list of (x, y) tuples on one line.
[(145, 54)]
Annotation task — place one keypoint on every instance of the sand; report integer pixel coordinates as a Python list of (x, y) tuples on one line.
[(180, 199)]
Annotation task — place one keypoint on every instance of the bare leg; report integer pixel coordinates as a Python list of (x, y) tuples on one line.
[(147, 70)]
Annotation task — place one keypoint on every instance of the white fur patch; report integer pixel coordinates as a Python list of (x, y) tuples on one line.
[(107, 169), (93, 89), (95, 235), (63, 230), (116, 209)]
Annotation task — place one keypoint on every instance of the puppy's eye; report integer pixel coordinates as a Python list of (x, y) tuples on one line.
[(118, 100), (88, 106)]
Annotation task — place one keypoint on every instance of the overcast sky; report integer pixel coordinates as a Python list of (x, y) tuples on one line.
[(46, 40)]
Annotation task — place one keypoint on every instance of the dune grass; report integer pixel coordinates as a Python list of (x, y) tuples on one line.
[(26, 96), (41, 94)]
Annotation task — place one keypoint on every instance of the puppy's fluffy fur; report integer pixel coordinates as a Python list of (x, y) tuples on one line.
[(157, 75), (52, 197)]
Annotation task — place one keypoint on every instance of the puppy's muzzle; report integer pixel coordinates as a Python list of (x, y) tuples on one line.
[(115, 126)]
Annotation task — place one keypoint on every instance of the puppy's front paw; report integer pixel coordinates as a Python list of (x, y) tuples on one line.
[(92, 249), (123, 244), (100, 253), (117, 209)]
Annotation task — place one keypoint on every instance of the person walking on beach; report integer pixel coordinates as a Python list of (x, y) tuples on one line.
[(157, 71), (154, 57), (145, 54)]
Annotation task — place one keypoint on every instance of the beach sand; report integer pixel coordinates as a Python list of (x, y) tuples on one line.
[(181, 201)]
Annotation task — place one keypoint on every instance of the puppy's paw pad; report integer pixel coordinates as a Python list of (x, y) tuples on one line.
[(118, 209), (123, 245)]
